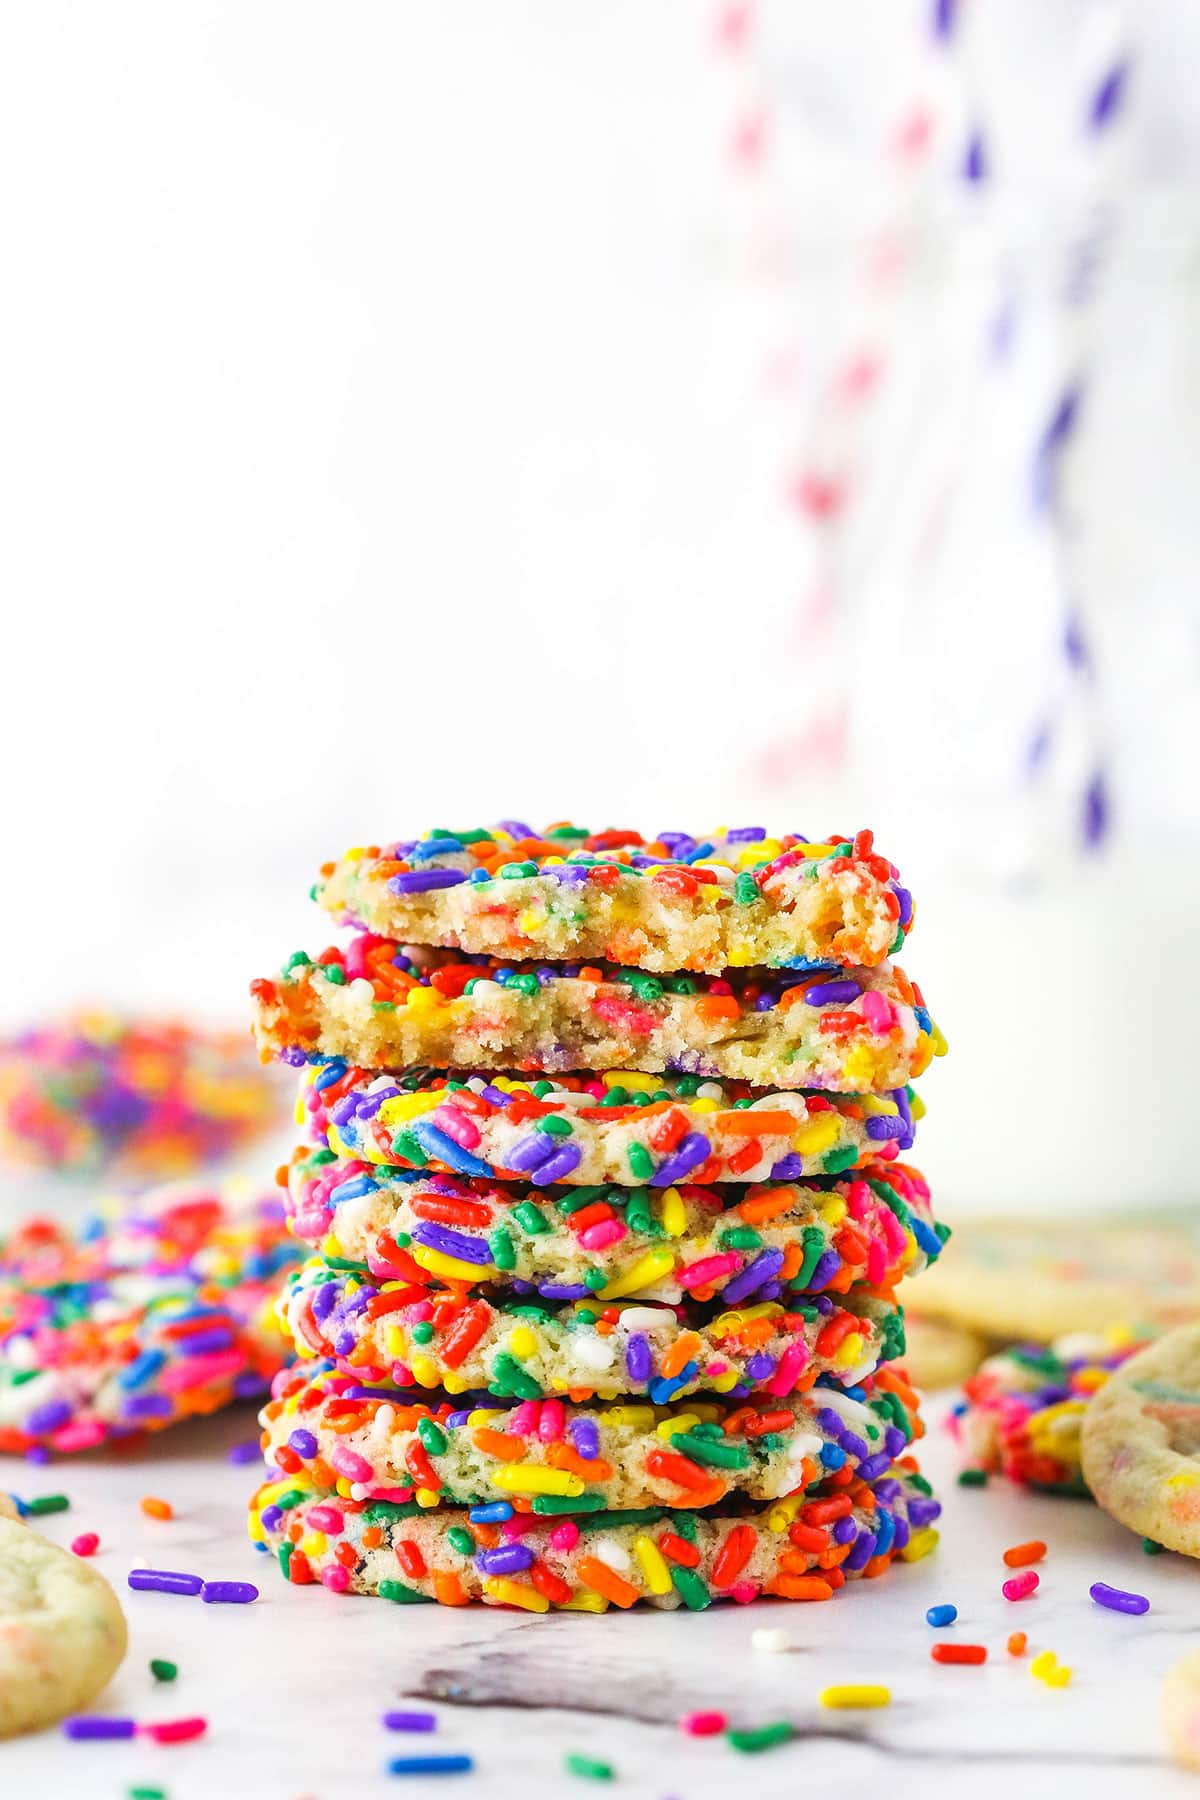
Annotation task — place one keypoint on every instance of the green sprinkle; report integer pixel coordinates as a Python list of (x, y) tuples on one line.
[(742, 1237), (501, 1246), (638, 1214), (432, 1436), (521, 984), (634, 1515), (837, 1160), (385, 1512), (407, 1148), (765, 1737), (554, 1125), (146, 1793), (641, 1163), (587, 1767), (531, 1219), (297, 960), (285, 1557), (293, 1497), (163, 1670), (422, 1331), (334, 972), (47, 1503), (972, 1478), (684, 1526), (403, 1596), (812, 1241), (687, 1583), (745, 889), (508, 1377), (460, 1539), (646, 987), (1151, 1548), (596, 1279), (21, 1376), (548, 1505)]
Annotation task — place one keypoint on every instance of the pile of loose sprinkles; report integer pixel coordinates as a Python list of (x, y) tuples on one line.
[(138, 1099), (609, 1318)]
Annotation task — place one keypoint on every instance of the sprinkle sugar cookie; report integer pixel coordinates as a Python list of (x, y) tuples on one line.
[(728, 900), (62, 1631), (1141, 1442)]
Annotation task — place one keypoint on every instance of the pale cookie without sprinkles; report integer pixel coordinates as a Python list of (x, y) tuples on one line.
[(796, 1550), (1181, 1709), (937, 1355), (1141, 1442), (730, 1242), (384, 1005), (733, 899), (62, 1631), (523, 1352), (621, 1125), (1020, 1279)]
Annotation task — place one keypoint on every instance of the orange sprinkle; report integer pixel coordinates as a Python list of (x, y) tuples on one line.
[(157, 1509), (1021, 1554), (1016, 1643), (606, 1581)]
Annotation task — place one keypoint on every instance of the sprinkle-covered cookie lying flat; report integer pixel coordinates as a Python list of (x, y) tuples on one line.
[(797, 1549), (1141, 1442), (159, 1312), (729, 900), (379, 1006), (556, 1458), (732, 1242), (620, 1125), (516, 1350)]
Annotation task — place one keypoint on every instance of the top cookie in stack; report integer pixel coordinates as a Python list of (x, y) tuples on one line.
[(592, 1117)]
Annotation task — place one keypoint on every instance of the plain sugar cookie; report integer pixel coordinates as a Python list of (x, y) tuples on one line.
[(62, 1631)]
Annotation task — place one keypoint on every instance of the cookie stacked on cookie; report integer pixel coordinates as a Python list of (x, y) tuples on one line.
[(602, 1172)]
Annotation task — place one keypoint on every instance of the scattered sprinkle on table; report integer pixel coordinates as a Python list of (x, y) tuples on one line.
[(146, 1793), (409, 1721), (764, 1737), (174, 1731), (89, 1726), (228, 1593), (1019, 1587), (1151, 1548), (162, 1670), (856, 1694), (458, 1764), (86, 1544), (248, 1451), (941, 1615), (1117, 1599), (1016, 1643), (972, 1478), (703, 1724), (772, 1638), (154, 1508), (959, 1653), (588, 1767), (164, 1581), (1046, 1668), (47, 1503), (1018, 1555)]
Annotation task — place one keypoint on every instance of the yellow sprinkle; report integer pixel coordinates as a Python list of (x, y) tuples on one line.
[(586, 1600), (641, 1418), (674, 1213), (648, 1269), (834, 1210), (454, 1384), (314, 1543), (920, 1544), (408, 1106), (784, 1512), (701, 1103), (818, 1135), (634, 1080), (940, 1046), (849, 1351), (425, 1371), (423, 1000), (1043, 1663), (873, 1105), (917, 1107), (516, 1593), (680, 1421), (300, 1111), (426, 1497), (451, 1266), (534, 1478), (522, 1341), (856, 1694), (1182, 1480), (653, 1565)]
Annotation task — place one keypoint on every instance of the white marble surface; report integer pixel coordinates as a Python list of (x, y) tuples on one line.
[(294, 1686)]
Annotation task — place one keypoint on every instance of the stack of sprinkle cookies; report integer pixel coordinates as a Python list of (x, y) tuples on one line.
[(602, 1172)]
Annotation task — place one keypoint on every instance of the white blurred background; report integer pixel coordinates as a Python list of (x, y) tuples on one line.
[(672, 415)]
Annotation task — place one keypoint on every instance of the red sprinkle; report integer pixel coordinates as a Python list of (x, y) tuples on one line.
[(174, 1731), (86, 1544), (1019, 1587), (1020, 1554), (703, 1724), (959, 1653)]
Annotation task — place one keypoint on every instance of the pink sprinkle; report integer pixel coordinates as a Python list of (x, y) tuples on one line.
[(1020, 1586), (553, 1421), (402, 1375), (790, 1364), (84, 1436), (703, 1724), (456, 1125), (877, 1011), (335, 1578), (326, 1518), (743, 1592), (564, 1536), (349, 1463), (174, 1731), (709, 1268), (198, 1371), (602, 1234), (86, 1544), (524, 1419)]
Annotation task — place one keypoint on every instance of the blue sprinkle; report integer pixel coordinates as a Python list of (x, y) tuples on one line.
[(941, 1615)]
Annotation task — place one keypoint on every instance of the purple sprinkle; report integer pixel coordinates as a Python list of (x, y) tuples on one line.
[(854, 1445), (826, 1267), (766, 1264), (882, 1126), (271, 1517), (746, 834), (895, 1441), (788, 1168), (451, 1243), (922, 1511), (904, 901), (560, 1290), (85, 1727), (559, 1167), (845, 1531), (420, 881), (496, 1096), (324, 1300), (303, 1443), (585, 1435), (1118, 1599), (760, 1367), (690, 1152), (832, 993), (228, 1593), (974, 162), (823, 1304), (409, 1721), (506, 1559), (875, 1465), (530, 1152), (902, 1533), (164, 1581), (295, 1059), (1106, 101), (248, 1385), (207, 1343), (638, 1361), (48, 1417), (862, 1552)]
